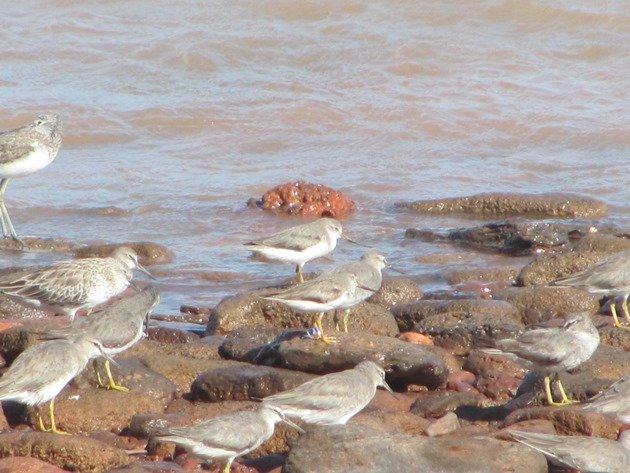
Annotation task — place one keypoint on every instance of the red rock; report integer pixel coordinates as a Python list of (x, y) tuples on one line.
[(415, 337), (27, 465), (307, 199)]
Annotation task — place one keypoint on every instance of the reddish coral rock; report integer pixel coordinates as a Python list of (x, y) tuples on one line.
[(307, 199)]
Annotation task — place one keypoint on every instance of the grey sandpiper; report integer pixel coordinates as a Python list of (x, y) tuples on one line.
[(300, 244), (228, 436), (334, 398), (24, 151), (552, 350)]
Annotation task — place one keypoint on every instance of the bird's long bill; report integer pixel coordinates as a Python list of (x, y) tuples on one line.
[(347, 238), (107, 357), (389, 389), (294, 425), (144, 270), (370, 289), (396, 270)]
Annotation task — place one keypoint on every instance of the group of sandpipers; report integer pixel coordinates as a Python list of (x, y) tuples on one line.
[(38, 374)]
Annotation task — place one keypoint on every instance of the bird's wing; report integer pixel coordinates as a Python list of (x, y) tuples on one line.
[(316, 290), (320, 393), (11, 150), (233, 431), (289, 239), (538, 346)]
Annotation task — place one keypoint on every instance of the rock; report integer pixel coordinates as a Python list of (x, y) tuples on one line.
[(250, 310), (14, 341), (483, 275), (307, 199), (27, 465), (171, 335), (243, 382), (406, 363), (148, 253), (11, 309), (439, 403), (81, 407), (568, 421), (362, 450), (615, 337), (540, 303), (497, 377), (149, 467), (396, 291), (181, 363), (512, 204), (33, 244), (514, 237), (415, 337), (591, 249), (458, 324), (68, 452), (446, 424)]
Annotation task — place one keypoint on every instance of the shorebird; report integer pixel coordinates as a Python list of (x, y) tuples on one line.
[(368, 271), (300, 244), (322, 294), (586, 454), (228, 436), (24, 151), (40, 372), (73, 285), (552, 350), (117, 328), (334, 398), (610, 276)]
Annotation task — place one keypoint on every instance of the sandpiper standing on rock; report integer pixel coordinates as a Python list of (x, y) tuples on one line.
[(551, 350), (300, 244), (24, 151), (368, 272), (322, 294), (70, 286), (228, 436), (334, 398), (40, 372), (611, 276), (117, 328)]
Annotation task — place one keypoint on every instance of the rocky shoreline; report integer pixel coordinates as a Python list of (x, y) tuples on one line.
[(454, 401)]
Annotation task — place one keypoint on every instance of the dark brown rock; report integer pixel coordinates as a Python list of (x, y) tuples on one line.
[(568, 420), (148, 253), (406, 363), (149, 467), (438, 403), (458, 324), (497, 204), (37, 244), (540, 303), (68, 452), (14, 341), (497, 377), (27, 465), (171, 335), (615, 337), (250, 310), (362, 450), (307, 199), (242, 382), (395, 291)]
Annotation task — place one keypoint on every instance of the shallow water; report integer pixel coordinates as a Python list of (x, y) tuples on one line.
[(177, 112)]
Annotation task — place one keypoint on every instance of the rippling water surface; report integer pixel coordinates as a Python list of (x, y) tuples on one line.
[(177, 112)]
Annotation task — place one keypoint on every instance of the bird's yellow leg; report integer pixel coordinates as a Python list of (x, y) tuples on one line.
[(227, 467), (565, 399), (299, 274), (327, 340), (99, 381), (346, 315), (53, 425), (613, 311), (624, 306), (550, 400), (111, 384), (336, 317)]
